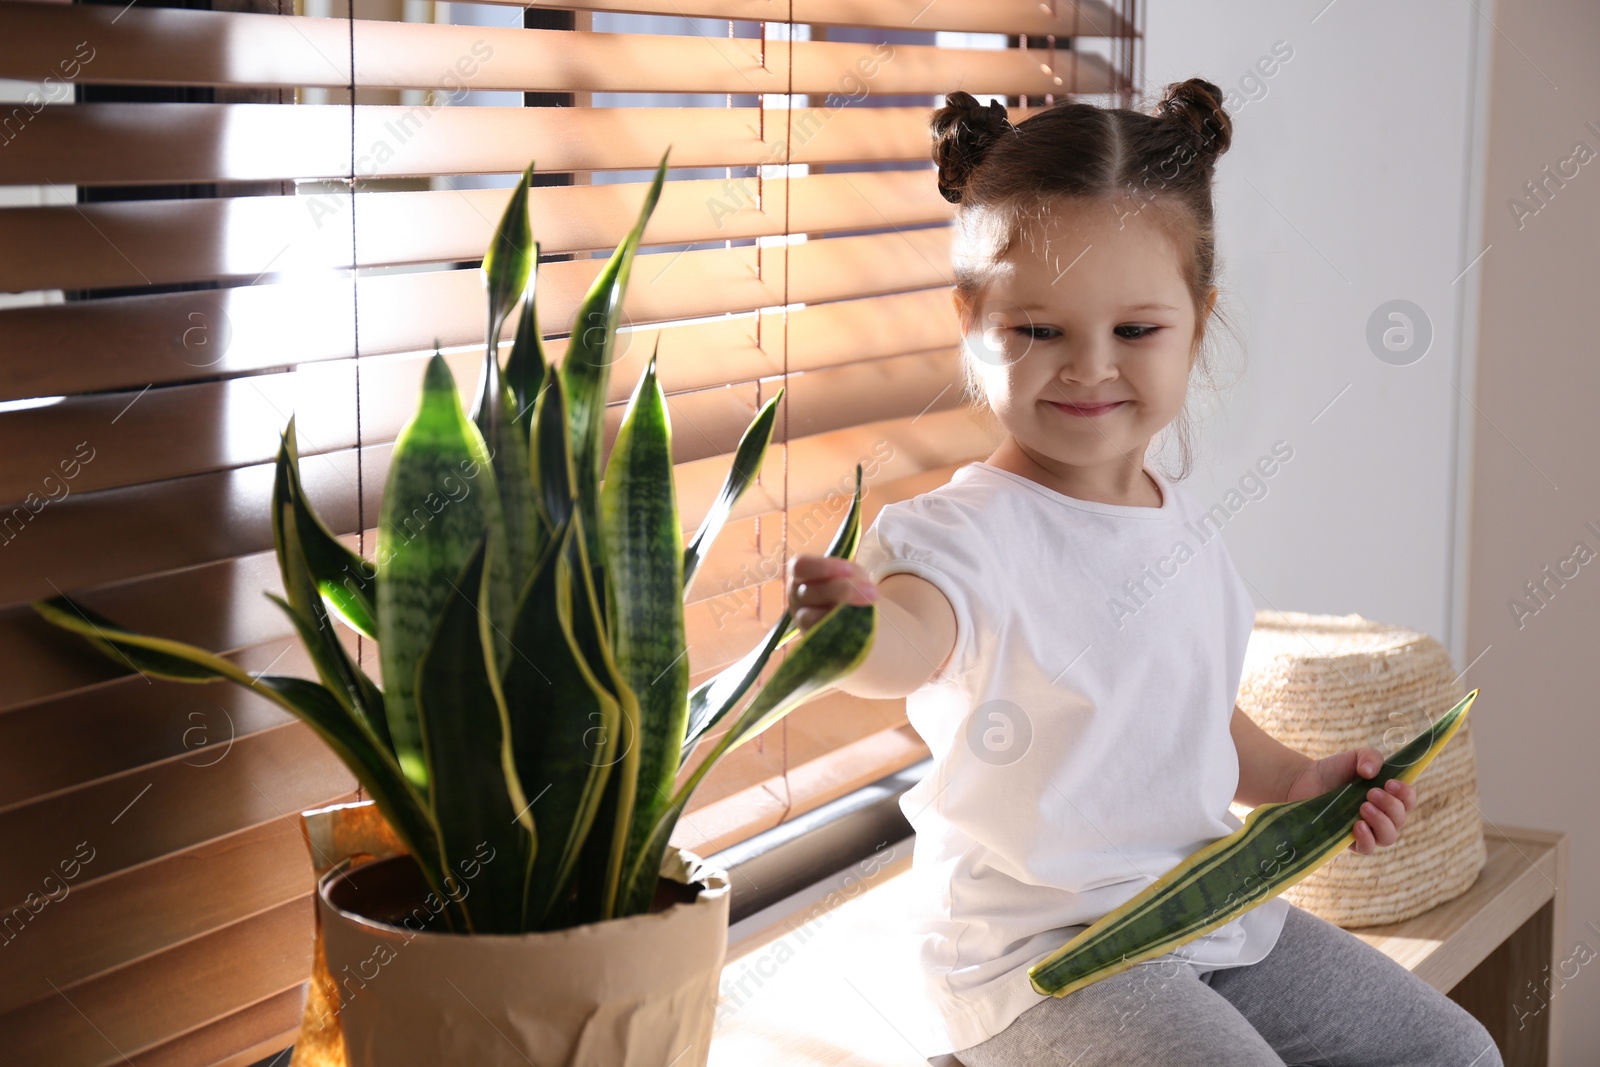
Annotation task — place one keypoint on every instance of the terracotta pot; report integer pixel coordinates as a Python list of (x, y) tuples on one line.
[(638, 991)]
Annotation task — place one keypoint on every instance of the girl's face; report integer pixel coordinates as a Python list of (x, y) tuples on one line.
[(1088, 309)]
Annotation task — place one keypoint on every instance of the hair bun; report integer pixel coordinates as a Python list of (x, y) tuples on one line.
[(1196, 106), (963, 132)]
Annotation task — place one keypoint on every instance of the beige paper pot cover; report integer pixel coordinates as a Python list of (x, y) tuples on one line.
[(639, 991), (1323, 684)]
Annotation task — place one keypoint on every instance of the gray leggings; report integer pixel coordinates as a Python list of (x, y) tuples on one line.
[(1321, 998)]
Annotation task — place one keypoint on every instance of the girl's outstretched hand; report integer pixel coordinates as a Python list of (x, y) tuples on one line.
[(817, 583), (1387, 805)]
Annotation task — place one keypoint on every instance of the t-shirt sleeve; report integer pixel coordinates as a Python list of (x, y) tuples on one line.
[(938, 542)]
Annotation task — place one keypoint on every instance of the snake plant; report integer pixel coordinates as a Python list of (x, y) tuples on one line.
[(528, 607), (1279, 845)]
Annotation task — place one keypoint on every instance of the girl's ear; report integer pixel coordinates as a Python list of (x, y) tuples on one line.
[(1200, 324), (963, 309)]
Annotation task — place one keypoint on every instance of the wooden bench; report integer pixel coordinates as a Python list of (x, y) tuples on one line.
[(827, 986)]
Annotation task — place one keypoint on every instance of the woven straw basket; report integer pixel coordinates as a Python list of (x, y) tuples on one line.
[(1324, 684)]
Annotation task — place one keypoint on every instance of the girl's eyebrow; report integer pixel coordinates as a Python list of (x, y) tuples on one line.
[(1126, 308)]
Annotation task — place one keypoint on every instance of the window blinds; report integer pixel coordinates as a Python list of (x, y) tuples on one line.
[(156, 892)]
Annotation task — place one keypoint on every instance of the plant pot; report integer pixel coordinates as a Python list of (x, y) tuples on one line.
[(638, 991)]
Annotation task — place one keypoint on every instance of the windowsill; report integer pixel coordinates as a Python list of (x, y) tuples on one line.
[(827, 985), (773, 872)]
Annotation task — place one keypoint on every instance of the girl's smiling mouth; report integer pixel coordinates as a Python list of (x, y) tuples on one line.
[(1086, 412)]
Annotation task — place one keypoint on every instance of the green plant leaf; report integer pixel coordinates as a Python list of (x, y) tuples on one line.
[(480, 836), (508, 447), (831, 649), (562, 726), (305, 607), (848, 537), (644, 584), (586, 370), (527, 367), (354, 691), (508, 261), (554, 478), (349, 738), (346, 582), (636, 235), (712, 699), (508, 272), (440, 497), (600, 860), (746, 464), (1280, 844)]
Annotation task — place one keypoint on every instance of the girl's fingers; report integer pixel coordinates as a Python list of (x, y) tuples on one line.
[(1389, 804), (817, 583), (1405, 791), (815, 568), (1368, 761), (1379, 824), (834, 591)]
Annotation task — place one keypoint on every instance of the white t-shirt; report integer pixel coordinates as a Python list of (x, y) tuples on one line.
[(1080, 735)]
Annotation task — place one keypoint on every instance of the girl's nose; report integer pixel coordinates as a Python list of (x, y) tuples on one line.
[(1087, 365)]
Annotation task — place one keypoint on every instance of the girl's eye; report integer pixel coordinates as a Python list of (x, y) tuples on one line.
[(1038, 333), (1144, 331)]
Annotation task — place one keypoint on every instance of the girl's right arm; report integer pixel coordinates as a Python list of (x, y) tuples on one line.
[(916, 631)]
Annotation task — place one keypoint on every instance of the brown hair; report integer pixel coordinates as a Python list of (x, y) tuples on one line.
[(1002, 175)]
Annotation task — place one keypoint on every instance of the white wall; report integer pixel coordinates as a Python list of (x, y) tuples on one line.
[(1345, 188), (1380, 163)]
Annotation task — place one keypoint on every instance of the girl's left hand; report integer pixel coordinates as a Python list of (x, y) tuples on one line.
[(1387, 805)]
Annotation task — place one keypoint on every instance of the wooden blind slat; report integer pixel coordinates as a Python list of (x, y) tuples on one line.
[(161, 242), (215, 606), (166, 433), (171, 524), (1064, 18), (184, 806), (207, 606), (726, 351), (138, 340), (125, 144), (266, 325), (137, 721), (823, 466), (175, 47), (752, 551), (859, 393), (53, 548), (170, 432), (115, 920), (239, 1039), (189, 985)]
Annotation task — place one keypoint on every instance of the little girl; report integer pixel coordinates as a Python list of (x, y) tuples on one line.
[(1069, 632)]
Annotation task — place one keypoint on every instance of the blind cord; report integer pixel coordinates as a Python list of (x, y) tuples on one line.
[(355, 307), (788, 196)]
